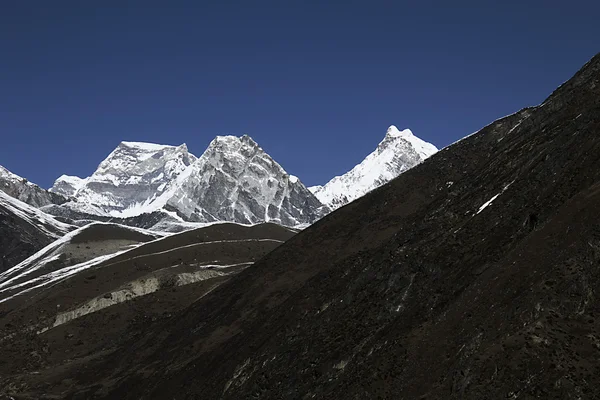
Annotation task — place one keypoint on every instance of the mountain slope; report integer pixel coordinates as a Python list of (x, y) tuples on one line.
[(30, 193), (24, 230), (82, 294), (473, 275), (398, 152), (234, 180), (130, 177), (67, 185)]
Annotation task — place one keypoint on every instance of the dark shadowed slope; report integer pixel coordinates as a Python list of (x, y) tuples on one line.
[(472, 276), (24, 230), (84, 296)]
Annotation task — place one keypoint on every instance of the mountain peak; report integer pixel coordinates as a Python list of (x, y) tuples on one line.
[(145, 146), (233, 180), (231, 140), (25, 191), (67, 185), (394, 132), (396, 153), (247, 139)]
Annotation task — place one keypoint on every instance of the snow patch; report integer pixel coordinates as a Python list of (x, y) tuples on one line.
[(487, 203)]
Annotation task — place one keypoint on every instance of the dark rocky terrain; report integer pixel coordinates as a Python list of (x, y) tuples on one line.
[(48, 332), (18, 239), (21, 237), (473, 275)]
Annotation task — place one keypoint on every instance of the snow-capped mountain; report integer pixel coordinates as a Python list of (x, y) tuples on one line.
[(67, 185), (30, 193), (233, 180), (132, 175), (397, 152)]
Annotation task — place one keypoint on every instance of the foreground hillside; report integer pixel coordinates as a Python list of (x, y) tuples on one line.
[(83, 296), (473, 275)]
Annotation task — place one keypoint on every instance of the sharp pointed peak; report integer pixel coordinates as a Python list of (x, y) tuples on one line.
[(393, 131), (245, 139)]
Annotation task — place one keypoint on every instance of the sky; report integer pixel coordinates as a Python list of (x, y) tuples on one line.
[(315, 83)]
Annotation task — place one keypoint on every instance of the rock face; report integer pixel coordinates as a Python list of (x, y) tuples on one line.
[(234, 180), (21, 189), (398, 152), (473, 275)]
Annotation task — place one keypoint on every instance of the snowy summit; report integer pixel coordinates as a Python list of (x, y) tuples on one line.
[(397, 152), (234, 180)]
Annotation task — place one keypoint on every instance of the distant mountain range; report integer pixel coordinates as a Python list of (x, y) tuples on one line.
[(233, 180)]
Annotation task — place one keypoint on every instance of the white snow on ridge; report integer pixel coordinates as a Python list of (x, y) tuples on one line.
[(423, 149), (67, 185), (398, 152), (74, 181), (49, 253), (130, 178), (6, 174), (35, 217), (152, 147), (56, 276), (38, 261)]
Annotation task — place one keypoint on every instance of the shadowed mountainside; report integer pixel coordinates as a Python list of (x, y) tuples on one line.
[(24, 230), (87, 294)]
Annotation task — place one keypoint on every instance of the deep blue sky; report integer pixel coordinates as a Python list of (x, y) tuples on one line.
[(315, 83)]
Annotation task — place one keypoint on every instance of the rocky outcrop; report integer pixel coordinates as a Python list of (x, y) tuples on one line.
[(30, 193)]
